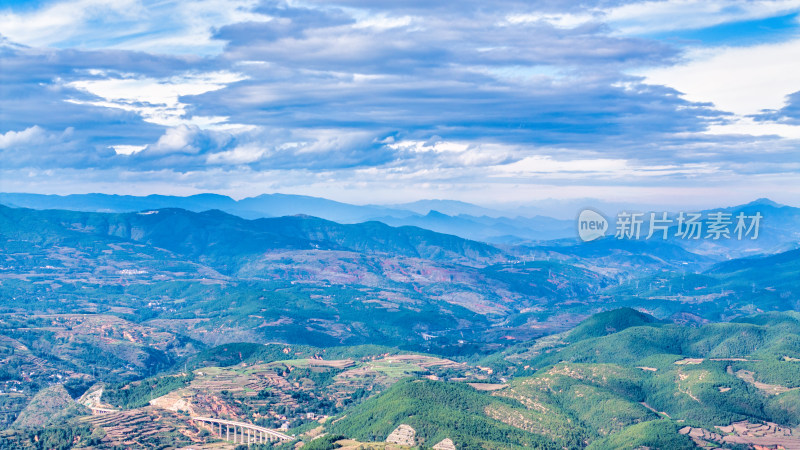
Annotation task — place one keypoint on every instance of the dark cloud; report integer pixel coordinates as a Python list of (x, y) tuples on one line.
[(789, 114), (474, 7), (417, 44), (287, 22), (34, 91)]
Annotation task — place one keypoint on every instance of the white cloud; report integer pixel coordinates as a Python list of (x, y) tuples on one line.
[(128, 149), (563, 21), (547, 167), (192, 139), (465, 154), (383, 22), (743, 80), (434, 146), (243, 154), (175, 27), (191, 26), (178, 138), (663, 15), (740, 80), (60, 21), (748, 126), (27, 136), (157, 100), (31, 136), (545, 164)]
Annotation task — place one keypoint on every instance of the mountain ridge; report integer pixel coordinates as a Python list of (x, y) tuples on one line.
[(781, 223)]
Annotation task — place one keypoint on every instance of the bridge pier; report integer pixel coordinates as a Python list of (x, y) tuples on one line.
[(241, 432)]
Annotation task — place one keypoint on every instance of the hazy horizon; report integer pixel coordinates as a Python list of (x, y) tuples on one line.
[(562, 209)]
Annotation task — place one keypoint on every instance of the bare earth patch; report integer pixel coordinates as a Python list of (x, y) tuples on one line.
[(487, 386), (767, 435), (771, 389)]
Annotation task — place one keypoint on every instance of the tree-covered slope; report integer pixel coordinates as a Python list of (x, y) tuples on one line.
[(712, 375), (438, 410)]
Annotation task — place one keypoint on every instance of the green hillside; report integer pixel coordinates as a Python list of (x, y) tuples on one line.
[(621, 379), (438, 410), (609, 322), (694, 373)]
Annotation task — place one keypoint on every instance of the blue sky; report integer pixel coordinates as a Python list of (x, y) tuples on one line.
[(678, 102)]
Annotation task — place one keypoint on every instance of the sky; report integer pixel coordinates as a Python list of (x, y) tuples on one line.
[(679, 102)]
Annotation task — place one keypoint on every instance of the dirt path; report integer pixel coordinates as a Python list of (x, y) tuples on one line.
[(660, 413)]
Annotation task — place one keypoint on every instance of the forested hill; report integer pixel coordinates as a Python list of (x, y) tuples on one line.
[(621, 379)]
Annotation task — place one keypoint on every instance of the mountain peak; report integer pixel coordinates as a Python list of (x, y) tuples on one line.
[(763, 201), (436, 214), (608, 322)]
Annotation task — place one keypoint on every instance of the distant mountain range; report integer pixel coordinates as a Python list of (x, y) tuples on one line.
[(217, 236), (779, 230), (445, 216), (324, 282), (380, 282)]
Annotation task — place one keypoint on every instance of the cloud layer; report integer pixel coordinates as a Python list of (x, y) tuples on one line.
[(422, 99)]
